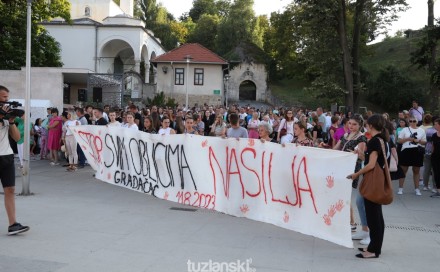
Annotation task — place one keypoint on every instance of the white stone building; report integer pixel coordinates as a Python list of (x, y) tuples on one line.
[(248, 74), (194, 70), (104, 51)]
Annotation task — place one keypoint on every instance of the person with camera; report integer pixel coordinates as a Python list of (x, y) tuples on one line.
[(412, 139), (7, 173)]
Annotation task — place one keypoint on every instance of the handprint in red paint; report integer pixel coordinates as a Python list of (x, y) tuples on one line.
[(109, 176), (286, 217), (340, 205), (327, 220), (332, 211), (330, 181), (166, 195), (251, 142), (244, 208), (205, 143)]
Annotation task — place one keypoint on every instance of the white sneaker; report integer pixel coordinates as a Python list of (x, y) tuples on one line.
[(426, 189), (418, 193), (400, 192), (434, 190), (360, 235), (365, 241)]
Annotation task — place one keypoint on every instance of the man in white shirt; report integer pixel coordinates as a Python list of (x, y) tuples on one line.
[(7, 166)]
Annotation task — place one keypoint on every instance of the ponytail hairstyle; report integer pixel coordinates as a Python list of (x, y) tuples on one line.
[(303, 127), (378, 122)]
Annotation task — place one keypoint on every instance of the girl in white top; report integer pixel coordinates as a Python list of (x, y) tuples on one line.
[(287, 123), (70, 142), (129, 116), (113, 122), (411, 138), (165, 129)]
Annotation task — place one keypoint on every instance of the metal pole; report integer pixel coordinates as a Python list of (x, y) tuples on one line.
[(187, 82), (26, 145)]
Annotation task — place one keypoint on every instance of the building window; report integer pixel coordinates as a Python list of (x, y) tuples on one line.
[(87, 12), (198, 76), (179, 77)]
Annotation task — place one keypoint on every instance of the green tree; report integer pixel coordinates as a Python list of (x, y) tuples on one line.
[(237, 26), (163, 24), (148, 12), (205, 31), (261, 26), (393, 90), (320, 25), (201, 7), (45, 50), (425, 56)]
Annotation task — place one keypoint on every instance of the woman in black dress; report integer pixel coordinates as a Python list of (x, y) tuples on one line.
[(376, 127)]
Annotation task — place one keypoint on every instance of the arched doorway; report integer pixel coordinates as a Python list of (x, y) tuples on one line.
[(248, 91), (116, 57)]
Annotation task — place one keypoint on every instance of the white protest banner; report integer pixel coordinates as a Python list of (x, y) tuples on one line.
[(298, 188)]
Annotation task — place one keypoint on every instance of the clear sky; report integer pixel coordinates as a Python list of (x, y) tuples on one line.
[(414, 18)]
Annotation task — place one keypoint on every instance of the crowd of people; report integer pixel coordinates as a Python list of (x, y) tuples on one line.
[(412, 140)]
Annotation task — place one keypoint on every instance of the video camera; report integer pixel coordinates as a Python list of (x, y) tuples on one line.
[(13, 111)]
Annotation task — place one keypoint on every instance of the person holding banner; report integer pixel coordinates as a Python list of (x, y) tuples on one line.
[(165, 129), (130, 121), (265, 130), (355, 141), (113, 122), (376, 126), (218, 129), (189, 123), (148, 125), (301, 136)]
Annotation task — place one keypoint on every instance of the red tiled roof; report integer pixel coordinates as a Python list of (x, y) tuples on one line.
[(197, 52)]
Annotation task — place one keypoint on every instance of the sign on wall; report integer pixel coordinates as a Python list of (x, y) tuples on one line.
[(298, 188)]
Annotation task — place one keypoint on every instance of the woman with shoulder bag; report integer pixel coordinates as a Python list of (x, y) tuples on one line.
[(374, 154), (412, 153), (355, 141), (285, 130)]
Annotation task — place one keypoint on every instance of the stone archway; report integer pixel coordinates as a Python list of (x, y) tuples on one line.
[(248, 91), (116, 57)]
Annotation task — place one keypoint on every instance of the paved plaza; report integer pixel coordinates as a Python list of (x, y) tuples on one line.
[(81, 224)]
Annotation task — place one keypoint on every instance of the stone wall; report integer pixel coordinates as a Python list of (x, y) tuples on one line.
[(248, 71), (215, 100)]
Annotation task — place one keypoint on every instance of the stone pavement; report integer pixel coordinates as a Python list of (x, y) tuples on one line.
[(81, 224)]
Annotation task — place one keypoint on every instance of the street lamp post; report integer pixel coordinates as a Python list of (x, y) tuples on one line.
[(188, 59), (226, 80), (27, 106)]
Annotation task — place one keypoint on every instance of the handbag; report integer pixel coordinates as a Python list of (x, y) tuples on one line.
[(393, 164), (376, 185), (283, 131)]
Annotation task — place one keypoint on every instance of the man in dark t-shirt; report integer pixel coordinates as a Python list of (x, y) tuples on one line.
[(100, 120)]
